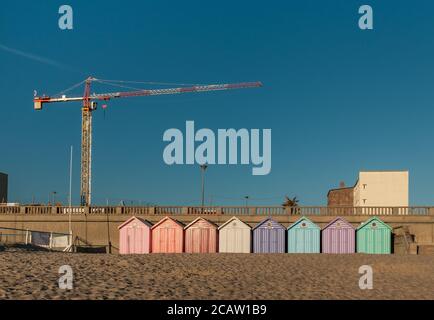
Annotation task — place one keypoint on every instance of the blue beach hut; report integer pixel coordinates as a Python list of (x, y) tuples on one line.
[(304, 237)]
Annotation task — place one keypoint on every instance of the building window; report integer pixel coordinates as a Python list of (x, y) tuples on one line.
[(364, 186), (364, 201)]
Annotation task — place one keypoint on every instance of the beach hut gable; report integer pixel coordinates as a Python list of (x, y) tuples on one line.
[(201, 221), (304, 223), (167, 219), (235, 222), (269, 223), (339, 223), (140, 220), (374, 223)]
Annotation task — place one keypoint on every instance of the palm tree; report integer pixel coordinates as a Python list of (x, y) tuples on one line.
[(291, 204)]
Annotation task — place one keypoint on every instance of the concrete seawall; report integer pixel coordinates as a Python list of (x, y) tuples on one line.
[(97, 229)]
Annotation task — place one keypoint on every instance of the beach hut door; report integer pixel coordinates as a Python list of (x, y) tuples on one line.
[(204, 233), (273, 243), (130, 240), (371, 240), (133, 245), (238, 239), (336, 240), (200, 239), (163, 240), (172, 240)]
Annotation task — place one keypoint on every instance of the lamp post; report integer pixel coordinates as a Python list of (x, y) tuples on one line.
[(203, 167), (247, 200)]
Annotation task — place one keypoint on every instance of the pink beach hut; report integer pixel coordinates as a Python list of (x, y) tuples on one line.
[(135, 236), (201, 236), (338, 237), (168, 236)]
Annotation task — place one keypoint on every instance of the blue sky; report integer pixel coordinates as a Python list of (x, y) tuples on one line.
[(338, 99)]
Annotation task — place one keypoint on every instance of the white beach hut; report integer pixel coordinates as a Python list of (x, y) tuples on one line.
[(235, 236)]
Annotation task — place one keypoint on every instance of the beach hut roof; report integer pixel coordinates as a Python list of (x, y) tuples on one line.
[(200, 218), (145, 222), (374, 219), (232, 219), (165, 219), (336, 219), (301, 220), (268, 219)]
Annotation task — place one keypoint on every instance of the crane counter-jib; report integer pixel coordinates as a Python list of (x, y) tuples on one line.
[(39, 102)]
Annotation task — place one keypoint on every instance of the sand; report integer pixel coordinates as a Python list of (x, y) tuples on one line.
[(34, 275)]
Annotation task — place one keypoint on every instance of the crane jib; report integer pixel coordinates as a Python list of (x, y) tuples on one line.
[(154, 92), (39, 101)]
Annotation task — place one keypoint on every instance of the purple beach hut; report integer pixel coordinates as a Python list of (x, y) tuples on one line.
[(269, 237), (339, 236)]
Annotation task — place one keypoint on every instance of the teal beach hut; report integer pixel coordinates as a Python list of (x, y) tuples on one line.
[(374, 236), (304, 237)]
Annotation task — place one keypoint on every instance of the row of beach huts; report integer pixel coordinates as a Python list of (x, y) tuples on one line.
[(138, 236)]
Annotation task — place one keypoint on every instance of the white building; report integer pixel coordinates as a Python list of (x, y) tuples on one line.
[(381, 189)]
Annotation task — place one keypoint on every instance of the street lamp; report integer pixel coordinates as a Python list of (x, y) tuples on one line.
[(247, 200), (202, 169)]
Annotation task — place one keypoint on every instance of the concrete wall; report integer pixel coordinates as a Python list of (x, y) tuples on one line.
[(94, 228), (381, 189)]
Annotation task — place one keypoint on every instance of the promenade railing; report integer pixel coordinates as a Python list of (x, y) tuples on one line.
[(216, 210)]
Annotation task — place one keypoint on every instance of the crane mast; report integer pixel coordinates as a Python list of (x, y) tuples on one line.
[(89, 105), (86, 146)]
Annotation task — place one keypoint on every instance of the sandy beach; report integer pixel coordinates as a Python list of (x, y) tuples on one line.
[(34, 275)]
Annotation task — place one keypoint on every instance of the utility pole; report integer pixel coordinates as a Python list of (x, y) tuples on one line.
[(70, 193), (202, 169)]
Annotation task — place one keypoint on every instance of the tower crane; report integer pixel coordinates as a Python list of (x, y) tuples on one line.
[(89, 105)]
